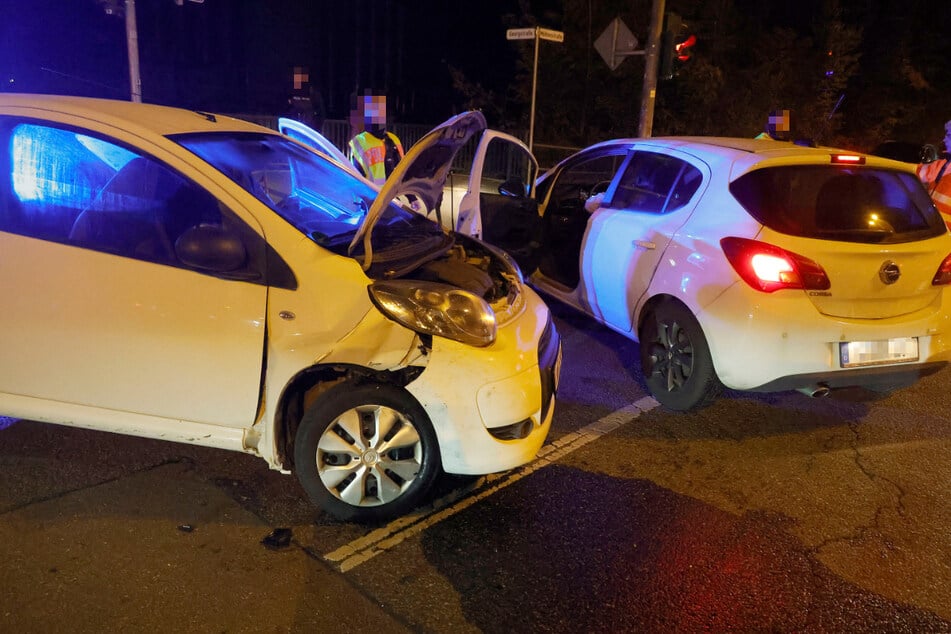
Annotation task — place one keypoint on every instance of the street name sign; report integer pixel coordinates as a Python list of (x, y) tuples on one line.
[(520, 34)]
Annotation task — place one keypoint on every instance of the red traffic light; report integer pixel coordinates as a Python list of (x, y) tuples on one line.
[(683, 48), (675, 45)]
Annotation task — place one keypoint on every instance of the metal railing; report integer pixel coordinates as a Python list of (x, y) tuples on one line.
[(337, 132)]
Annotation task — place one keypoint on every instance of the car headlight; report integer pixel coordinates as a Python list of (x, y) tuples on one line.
[(436, 309)]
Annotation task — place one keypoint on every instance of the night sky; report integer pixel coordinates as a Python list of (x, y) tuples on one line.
[(239, 55)]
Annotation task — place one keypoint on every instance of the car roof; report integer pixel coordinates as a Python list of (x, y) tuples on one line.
[(724, 145), (131, 116), (740, 152)]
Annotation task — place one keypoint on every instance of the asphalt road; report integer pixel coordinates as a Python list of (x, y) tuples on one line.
[(759, 513)]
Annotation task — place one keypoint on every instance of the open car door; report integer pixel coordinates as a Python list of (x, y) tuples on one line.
[(499, 205), (308, 136)]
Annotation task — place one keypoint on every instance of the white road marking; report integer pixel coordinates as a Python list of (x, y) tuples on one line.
[(360, 550)]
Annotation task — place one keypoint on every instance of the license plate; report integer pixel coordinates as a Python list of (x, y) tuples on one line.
[(858, 353)]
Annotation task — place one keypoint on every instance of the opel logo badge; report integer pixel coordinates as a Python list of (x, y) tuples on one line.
[(889, 272)]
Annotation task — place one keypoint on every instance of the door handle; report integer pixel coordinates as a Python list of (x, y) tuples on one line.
[(644, 244)]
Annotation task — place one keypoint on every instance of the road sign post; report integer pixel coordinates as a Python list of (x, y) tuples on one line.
[(534, 33), (617, 43)]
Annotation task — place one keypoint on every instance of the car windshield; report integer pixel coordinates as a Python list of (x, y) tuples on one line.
[(854, 204), (321, 199)]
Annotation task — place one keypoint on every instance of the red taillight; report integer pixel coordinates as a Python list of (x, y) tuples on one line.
[(943, 275), (768, 268)]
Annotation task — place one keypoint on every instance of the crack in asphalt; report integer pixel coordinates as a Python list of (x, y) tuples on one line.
[(874, 529)]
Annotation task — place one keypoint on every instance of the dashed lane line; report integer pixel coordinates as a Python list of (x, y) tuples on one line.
[(361, 550)]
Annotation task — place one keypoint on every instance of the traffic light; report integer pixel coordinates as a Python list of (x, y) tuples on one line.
[(675, 45)]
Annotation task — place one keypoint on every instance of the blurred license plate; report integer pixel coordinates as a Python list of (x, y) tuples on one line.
[(856, 353)]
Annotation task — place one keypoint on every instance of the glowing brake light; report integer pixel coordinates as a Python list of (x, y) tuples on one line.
[(769, 268), (773, 269), (847, 159), (943, 276)]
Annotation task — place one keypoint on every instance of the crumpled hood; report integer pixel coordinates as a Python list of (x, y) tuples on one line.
[(424, 169)]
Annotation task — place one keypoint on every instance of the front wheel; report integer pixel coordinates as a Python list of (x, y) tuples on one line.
[(366, 452), (675, 359)]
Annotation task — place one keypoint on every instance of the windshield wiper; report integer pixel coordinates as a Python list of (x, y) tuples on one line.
[(330, 241)]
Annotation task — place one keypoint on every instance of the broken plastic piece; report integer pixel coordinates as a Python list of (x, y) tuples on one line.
[(278, 538)]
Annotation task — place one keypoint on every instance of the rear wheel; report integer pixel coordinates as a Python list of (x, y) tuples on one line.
[(675, 359), (366, 452)]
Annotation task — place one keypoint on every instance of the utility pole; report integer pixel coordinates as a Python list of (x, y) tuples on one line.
[(649, 90), (617, 43), (132, 40)]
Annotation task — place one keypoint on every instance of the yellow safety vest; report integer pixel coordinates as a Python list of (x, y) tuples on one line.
[(368, 153)]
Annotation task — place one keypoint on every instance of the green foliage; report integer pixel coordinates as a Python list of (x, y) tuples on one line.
[(842, 84)]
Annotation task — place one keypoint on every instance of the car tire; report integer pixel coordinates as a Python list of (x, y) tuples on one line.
[(366, 452), (675, 359)]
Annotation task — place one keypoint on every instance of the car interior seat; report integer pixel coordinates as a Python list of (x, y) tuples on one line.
[(127, 215)]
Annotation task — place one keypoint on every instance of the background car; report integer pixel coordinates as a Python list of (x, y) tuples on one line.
[(190, 277), (749, 264), (906, 151)]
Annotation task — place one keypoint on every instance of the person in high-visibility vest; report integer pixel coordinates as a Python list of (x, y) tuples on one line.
[(936, 177), (375, 151), (778, 126)]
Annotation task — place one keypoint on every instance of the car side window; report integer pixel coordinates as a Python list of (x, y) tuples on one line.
[(578, 182), (78, 189), (506, 163), (655, 183), (686, 186)]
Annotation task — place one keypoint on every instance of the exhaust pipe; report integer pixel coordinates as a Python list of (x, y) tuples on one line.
[(819, 390)]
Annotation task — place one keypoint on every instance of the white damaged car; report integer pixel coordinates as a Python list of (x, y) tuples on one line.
[(747, 264), (191, 277)]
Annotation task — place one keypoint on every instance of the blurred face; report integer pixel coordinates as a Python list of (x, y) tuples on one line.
[(374, 110), (779, 121)]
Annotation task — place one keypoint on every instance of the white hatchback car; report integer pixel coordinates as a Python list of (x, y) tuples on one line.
[(191, 277), (751, 264)]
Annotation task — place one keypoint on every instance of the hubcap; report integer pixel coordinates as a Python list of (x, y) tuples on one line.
[(672, 355), (370, 455)]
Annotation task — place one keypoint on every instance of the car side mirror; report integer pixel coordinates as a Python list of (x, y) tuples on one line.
[(929, 153), (211, 248), (513, 187)]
